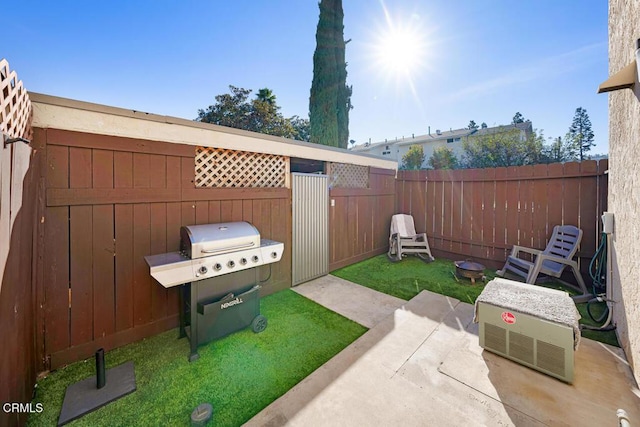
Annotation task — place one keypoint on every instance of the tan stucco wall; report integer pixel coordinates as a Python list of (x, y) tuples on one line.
[(624, 180)]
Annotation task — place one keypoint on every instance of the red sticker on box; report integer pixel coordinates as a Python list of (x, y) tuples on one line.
[(508, 318)]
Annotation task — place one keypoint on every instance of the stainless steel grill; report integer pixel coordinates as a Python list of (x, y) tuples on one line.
[(211, 250), (220, 293)]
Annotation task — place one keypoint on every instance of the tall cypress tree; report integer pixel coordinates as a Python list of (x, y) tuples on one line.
[(329, 102)]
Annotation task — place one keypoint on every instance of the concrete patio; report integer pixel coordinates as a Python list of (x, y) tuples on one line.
[(420, 364)]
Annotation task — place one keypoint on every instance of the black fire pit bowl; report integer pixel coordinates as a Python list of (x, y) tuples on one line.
[(470, 270)]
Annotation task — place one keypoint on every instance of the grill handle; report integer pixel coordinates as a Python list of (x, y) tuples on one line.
[(228, 248)]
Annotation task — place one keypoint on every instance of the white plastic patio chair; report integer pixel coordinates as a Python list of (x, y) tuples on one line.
[(404, 240)]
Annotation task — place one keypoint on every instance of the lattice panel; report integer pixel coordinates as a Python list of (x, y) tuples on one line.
[(217, 167), (15, 107), (349, 176)]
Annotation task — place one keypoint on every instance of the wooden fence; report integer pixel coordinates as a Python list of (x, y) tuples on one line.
[(359, 219), (482, 213), (109, 202), (18, 185)]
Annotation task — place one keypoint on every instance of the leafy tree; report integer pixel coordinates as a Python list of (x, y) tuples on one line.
[(443, 158), (414, 158), (266, 95), (472, 125), (483, 125), (261, 114), (301, 128), (231, 109), (330, 99), (518, 118), (559, 151), (499, 149), (580, 133)]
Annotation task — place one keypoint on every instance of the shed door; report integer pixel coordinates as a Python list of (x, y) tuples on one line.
[(310, 229)]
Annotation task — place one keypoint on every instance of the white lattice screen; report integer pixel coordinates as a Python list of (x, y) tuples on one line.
[(15, 107), (217, 167), (349, 176)]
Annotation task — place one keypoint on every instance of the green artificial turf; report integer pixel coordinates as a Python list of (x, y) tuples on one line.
[(239, 374), (409, 277)]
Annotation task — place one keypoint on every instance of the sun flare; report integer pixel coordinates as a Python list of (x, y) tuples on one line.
[(400, 50)]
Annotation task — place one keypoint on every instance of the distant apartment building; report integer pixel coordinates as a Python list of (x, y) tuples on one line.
[(454, 139)]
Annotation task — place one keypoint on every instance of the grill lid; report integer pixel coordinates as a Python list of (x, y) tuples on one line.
[(198, 241)]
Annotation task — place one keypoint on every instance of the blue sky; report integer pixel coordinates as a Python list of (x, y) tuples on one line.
[(476, 59)]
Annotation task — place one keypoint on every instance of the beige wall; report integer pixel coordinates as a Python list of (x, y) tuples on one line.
[(624, 180)]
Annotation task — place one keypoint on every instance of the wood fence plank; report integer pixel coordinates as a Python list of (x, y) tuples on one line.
[(56, 263), (174, 171), (174, 221), (124, 267), (438, 211), (262, 217), (81, 273), (457, 204), (540, 210), (141, 278), (57, 167), (104, 196), (489, 208), (231, 210), (513, 210), (102, 168), (571, 196), (336, 229), (79, 167), (525, 201), (447, 215), (364, 224), (159, 231), (247, 210), (188, 213), (352, 226), (188, 176), (281, 232), (589, 217), (500, 219), (141, 170), (122, 170), (466, 205), (103, 271), (58, 137), (418, 205), (237, 194), (157, 171), (555, 193), (214, 211), (202, 212), (477, 215)]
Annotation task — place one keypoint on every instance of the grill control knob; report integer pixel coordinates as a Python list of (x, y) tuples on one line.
[(217, 266), (274, 255), (243, 261), (254, 258), (202, 270), (231, 264)]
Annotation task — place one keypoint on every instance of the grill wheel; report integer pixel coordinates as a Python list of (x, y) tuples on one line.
[(259, 324)]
